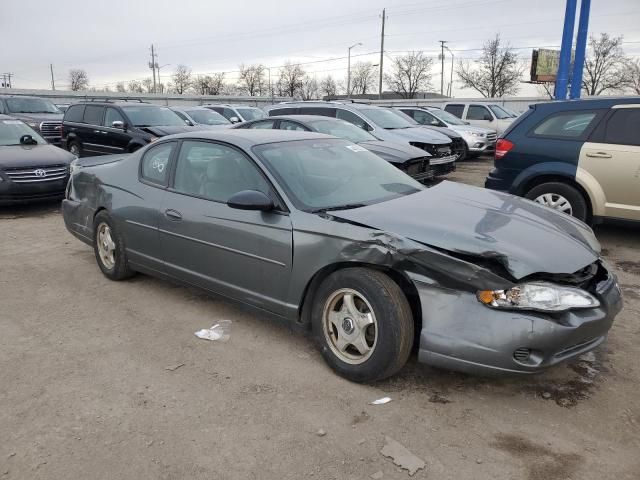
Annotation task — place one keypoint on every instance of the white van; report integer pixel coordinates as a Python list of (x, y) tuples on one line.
[(489, 115)]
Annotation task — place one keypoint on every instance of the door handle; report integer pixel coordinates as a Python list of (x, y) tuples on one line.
[(173, 214), (598, 155)]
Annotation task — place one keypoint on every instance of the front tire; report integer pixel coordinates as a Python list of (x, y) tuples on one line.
[(363, 324), (75, 149), (108, 246), (561, 197)]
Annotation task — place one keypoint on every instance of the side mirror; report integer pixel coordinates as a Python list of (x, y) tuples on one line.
[(118, 124), (488, 117), (234, 120), (251, 200), (27, 140), (188, 122)]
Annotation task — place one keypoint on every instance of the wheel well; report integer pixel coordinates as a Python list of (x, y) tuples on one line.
[(534, 182), (406, 285)]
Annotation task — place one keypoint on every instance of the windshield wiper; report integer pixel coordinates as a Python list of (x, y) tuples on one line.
[(346, 206)]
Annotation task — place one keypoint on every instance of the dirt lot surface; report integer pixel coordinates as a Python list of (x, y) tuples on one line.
[(104, 380)]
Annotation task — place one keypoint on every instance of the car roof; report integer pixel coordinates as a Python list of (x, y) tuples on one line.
[(302, 118), (4, 95), (232, 105), (586, 103), (248, 138), (118, 103)]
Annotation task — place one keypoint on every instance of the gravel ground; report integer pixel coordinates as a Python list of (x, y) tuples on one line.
[(106, 380)]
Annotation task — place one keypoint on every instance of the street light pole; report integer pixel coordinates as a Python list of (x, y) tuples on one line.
[(349, 68), (451, 78), (442, 47), (159, 82)]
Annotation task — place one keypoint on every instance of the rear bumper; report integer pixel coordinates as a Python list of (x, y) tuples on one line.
[(15, 193), (501, 180), (461, 334)]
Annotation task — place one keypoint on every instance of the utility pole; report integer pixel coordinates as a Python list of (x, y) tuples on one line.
[(53, 82), (7, 80), (562, 77), (152, 65), (384, 16), (4, 80), (581, 47), (442, 42)]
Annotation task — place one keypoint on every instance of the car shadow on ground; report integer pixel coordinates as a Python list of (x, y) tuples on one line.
[(30, 210)]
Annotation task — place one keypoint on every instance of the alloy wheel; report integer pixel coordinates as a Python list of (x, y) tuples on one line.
[(555, 201), (106, 246)]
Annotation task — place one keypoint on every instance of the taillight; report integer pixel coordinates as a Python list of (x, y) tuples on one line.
[(502, 147)]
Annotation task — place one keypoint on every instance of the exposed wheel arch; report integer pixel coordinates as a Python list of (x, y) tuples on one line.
[(405, 284)]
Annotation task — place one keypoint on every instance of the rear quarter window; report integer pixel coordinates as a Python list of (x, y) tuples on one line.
[(74, 113), (456, 110), (283, 111), (571, 125)]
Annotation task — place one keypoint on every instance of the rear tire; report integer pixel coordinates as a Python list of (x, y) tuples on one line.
[(109, 248), (75, 148), (561, 197), (363, 324)]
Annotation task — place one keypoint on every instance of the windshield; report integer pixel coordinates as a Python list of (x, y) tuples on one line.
[(499, 112), (332, 174), (342, 129), (12, 130), (149, 116), (446, 117), (207, 117), (251, 113), (31, 105), (385, 118), (511, 112)]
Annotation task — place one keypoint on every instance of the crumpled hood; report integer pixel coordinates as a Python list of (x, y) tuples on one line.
[(394, 152), (419, 134), (33, 156), (161, 130), (524, 237)]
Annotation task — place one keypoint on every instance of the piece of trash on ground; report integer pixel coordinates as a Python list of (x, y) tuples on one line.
[(381, 401), (220, 332), (173, 368), (401, 456), (378, 475), (321, 433)]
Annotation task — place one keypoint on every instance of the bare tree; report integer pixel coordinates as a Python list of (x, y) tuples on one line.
[(410, 73), (181, 79), (148, 84), (633, 76), (120, 87), (134, 86), (605, 65), (291, 79), (202, 84), (363, 78), (78, 79), (251, 79), (328, 86), (496, 73), (309, 88), (216, 84)]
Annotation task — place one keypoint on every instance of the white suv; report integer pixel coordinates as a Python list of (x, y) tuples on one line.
[(488, 115)]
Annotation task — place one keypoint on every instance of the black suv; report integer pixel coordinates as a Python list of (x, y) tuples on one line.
[(108, 127), (39, 113)]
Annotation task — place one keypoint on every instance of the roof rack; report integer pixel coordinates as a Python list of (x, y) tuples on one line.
[(113, 100)]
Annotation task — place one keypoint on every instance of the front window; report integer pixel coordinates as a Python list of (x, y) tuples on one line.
[(500, 112), (151, 116), (385, 118), (332, 174), (30, 105), (446, 117), (207, 117), (12, 130), (342, 129), (251, 113)]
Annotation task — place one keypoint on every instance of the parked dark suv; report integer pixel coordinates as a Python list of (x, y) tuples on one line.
[(108, 127), (579, 157), (39, 113)]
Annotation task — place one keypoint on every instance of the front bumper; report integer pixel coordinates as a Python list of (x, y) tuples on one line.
[(481, 145), (459, 333), (443, 165), (16, 193)]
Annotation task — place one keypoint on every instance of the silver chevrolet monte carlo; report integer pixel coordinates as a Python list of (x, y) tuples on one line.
[(325, 234)]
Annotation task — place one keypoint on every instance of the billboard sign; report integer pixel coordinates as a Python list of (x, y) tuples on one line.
[(544, 65)]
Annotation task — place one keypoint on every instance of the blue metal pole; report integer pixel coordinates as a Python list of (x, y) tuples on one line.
[(562, 79), (581, 48)]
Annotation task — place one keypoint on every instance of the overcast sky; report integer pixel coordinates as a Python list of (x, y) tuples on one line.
[(111, 39)]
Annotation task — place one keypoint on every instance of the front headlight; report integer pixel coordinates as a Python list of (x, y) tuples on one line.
[(152, 139), (542, 296), (34, 125), (478, 134)]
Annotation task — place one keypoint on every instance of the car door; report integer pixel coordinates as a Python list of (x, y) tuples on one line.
[(141, 216), (116, 139), (242, 254), (480, 116), (94, 135), (611, 158)]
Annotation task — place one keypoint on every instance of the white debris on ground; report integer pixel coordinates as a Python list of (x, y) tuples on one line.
[(401, 456), (381, 401), (220, 332)]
